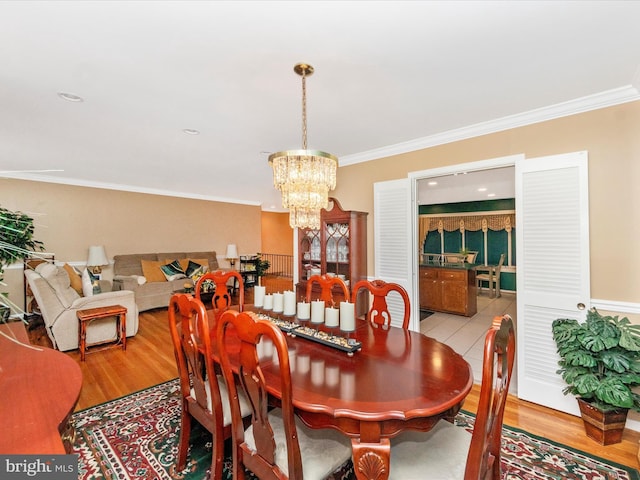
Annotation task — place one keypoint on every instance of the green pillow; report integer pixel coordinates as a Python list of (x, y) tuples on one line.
[(194, 269), (172, 271)]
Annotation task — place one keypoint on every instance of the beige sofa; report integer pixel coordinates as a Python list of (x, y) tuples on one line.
[(59, 303), (153, 290)]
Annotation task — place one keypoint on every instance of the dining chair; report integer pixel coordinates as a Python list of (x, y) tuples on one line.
[(378, 313), (326, 285), (203, 392), (221, 299), (271, 447), (492, 277), (453, 258), (471, 257), (450, 452)]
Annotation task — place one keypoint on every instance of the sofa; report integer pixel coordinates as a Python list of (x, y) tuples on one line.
[(142, 274), (59, 303)]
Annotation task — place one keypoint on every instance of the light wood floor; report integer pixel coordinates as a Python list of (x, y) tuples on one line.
[(149, 360)]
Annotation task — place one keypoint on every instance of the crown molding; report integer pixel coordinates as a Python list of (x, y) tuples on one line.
[(605, 99), (122, 188)]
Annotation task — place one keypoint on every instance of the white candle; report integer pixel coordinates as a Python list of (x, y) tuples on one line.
[(331, 317), (347, 317), (278, 302), (268, 302), (258, 295), (317, 311), (289, 303), (304, 310)]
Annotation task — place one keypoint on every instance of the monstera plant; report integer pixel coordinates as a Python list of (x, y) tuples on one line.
[(16, 242), (600, 362)]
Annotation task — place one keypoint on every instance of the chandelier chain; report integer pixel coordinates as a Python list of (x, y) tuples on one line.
[(304, 110)]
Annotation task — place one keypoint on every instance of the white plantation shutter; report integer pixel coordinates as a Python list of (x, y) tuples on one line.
[(552, 209), (393, 243)]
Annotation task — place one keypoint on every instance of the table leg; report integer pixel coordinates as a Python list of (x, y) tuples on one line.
[(83, 339), (123, 330), (371, 460)]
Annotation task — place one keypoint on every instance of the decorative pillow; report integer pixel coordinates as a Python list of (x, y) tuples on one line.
[(74, 278), (90, 283), (194, 269), (172, 271), (151, 270), (201, 261)]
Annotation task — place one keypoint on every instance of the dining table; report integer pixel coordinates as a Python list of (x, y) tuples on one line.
[(370, 384)]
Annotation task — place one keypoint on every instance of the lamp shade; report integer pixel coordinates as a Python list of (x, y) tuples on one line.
[(232, 251), (97, 256)]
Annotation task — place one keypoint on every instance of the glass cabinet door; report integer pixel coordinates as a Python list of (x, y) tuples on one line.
[(337, 249)]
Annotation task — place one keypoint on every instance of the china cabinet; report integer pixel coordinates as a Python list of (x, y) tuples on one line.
[(338, 248)]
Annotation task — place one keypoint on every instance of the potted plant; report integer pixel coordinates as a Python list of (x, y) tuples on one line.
[(600, 361), (261, 267), (16, 242)]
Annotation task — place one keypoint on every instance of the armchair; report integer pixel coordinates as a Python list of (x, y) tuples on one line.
[(59, 304)]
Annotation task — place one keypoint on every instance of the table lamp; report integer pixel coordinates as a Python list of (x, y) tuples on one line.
[(97, 259), (232, 254)]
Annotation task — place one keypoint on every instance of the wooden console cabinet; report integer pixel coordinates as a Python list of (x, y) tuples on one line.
[(338, 248), (450, 289)]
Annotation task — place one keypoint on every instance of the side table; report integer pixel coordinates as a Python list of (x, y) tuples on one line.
[(90, 314)]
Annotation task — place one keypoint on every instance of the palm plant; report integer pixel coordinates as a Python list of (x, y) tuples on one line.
[(16, 242)]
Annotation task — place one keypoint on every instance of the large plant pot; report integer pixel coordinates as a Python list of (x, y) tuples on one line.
[(604, 427)]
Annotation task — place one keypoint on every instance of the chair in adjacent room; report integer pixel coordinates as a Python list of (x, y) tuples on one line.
[(378, 313), (492, 276), (221, 299), (271, 447), (448, 451), (203, 392), (326, 285)]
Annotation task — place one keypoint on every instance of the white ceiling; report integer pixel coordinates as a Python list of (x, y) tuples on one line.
[(389, 77)]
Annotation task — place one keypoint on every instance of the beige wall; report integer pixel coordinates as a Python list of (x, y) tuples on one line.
[(612, 138), (68, 219), (277, 235), (75, 217)]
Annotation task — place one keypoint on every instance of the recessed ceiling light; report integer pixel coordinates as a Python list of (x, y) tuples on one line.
[(70, 97), (191, 131), (491, 195), (482, 189), (432, 183)]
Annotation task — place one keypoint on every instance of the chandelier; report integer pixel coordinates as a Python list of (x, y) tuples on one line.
[(304, 176)]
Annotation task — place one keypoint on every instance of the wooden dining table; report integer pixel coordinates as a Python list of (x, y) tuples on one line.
[(397, 380)]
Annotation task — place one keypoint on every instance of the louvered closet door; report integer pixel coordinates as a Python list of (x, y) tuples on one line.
[(552, 209), (393, 243)]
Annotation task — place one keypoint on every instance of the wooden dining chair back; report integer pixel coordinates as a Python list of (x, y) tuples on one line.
[(271, 447), (326, 289), (200, 390), (448, 451), (222, 298), (492, 278), (378, 314)]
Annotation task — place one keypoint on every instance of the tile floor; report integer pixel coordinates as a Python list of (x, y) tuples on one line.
[(466, 334)]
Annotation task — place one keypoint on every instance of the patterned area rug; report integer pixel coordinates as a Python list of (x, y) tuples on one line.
[(136, 437)]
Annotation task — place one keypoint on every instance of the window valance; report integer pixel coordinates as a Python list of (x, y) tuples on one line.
[(473, 223)]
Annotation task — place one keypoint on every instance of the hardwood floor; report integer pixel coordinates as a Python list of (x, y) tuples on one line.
[(149, 360)]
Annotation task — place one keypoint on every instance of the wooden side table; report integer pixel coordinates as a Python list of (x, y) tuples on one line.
[(90, 314)]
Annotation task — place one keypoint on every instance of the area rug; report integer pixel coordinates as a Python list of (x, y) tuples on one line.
[(136, 437)]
